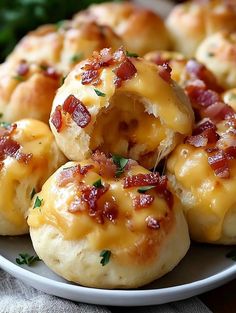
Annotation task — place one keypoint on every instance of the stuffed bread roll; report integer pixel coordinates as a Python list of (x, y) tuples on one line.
[(140, 29), (202, 173), (27, 90), (28, 156), (64, 45), (191, 22), (101, 224), (120, 105)]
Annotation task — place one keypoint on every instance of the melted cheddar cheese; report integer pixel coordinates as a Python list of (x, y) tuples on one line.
[(127, 231), (207, 199)]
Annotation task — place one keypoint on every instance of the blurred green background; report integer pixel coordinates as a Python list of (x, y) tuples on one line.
[(19, 16)]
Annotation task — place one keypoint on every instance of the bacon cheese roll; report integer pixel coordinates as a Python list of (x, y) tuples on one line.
[(62, 46), (108, 223), (120, 105), (27, 90), (191, 22), (141, 30), (218, 53), (28, 156), (202, 173)]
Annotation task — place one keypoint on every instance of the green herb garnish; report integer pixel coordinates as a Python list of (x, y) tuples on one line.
[(231, 255), (60, 24), (131, 54), (62, 80), (99, 93), (105, 255), (121, 163), (32, 193), (145, 188), (1, 115), (37, 203), (98, 183), (210, 54), (5, 124), (18, 77), (76, 57), (25, 258)]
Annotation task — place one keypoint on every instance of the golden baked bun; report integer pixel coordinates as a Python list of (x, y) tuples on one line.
[(27, 91), (218, 53), (229, 97), (120, 105), (64, 46), (202, 173), (141, 29), (28, 156), (190, 22), (98, 227)]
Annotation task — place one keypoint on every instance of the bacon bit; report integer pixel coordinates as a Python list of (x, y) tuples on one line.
[(152, 223), (51, 72), (159, 59), (106, 58), (23, 68), (165, 72), (77, 110), (56, 118), (110, 211), (139, 180), (142, 201), (204, 134), (74, 173), (219, 163), (106, 166), (1, 165), (89, 76), (11, 148), (125, 71), (230, 152)]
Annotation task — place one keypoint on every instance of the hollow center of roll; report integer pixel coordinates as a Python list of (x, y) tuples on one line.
[(125, 128)]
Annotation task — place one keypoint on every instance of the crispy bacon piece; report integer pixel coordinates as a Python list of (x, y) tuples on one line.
[(110, 211), (125, 71), (203, 135), (23, 68), (152, 223), (11, 148), (219, 163), (74, 173), (142, 201), (165, 72), (89, 76), (56, 118), (107, 168), (77, 110), (139, 180)]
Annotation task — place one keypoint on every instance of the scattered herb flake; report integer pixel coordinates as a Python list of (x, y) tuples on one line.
[(99, 93), (5, 124), (76, 58), (62, 80), (105, 255), (131, 54), (37, 203), (210, 54), (25, 258), (231, 255), (60, 24), (32, 193), (145, 188), (121, 163), (1, 115), (18, 77), (98, 183)]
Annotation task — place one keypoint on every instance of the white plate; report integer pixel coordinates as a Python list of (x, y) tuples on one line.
[(204, 268)]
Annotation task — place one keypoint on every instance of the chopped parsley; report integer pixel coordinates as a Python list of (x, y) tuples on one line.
[(99, 93), (37, 203), (145, 188), (98, 183), (210, 54), (19, 78), (231, 255), (62, 80), (76, 57), (60, 24), (1, 115), (25, 258), (105, 255), (121, 163), (32, 193), (131, 54), (5, 124)]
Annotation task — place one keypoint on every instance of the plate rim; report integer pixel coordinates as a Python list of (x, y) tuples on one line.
[(96, 295)]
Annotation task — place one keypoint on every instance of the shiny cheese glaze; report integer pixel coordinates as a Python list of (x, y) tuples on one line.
[(127, 231), (207, 199), (18, 179)]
